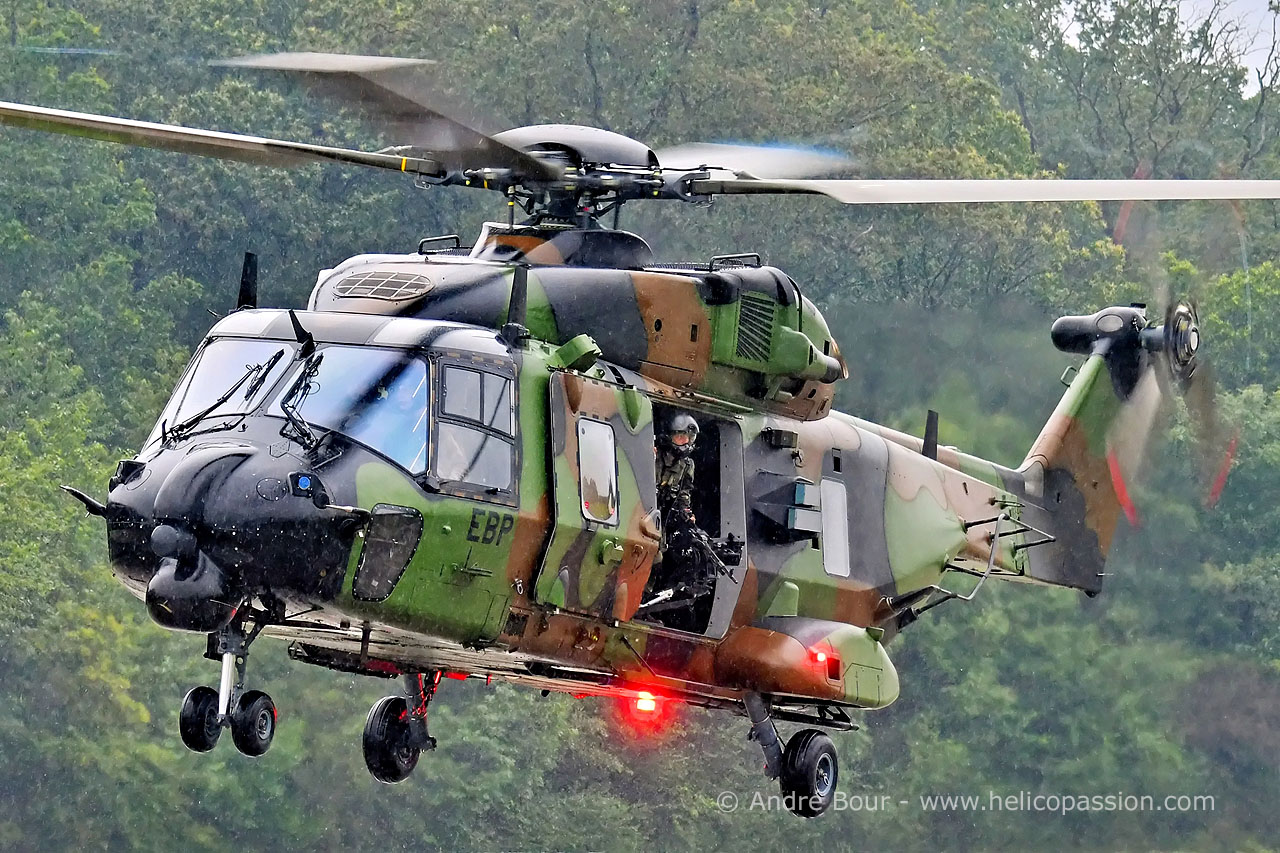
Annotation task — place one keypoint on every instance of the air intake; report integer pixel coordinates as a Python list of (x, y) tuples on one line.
[(376, 284), (755, 326)]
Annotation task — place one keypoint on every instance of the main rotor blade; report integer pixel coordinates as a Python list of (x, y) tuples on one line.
[(385, 88), (206, 143), (992, 191), (324, 63), (758, 161)]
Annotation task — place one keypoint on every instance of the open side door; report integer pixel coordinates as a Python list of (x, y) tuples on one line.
[(605, 531)]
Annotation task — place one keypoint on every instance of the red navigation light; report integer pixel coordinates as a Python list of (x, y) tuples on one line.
[(828, 661), (645, 703)]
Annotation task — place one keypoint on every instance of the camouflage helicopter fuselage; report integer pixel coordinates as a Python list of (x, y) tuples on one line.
[(539, 574)]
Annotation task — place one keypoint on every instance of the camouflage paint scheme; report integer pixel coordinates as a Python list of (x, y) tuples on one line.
[(531, 585)]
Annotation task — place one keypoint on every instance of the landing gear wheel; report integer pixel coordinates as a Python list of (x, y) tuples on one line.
[(198, 720), (388, 751), (810, 771), (253, 723)]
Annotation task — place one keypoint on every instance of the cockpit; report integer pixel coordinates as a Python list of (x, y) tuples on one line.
[(447, 415)]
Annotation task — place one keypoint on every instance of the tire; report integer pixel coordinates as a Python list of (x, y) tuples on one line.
[(253, 723), (198, 719), (387, 752), (810, 771)]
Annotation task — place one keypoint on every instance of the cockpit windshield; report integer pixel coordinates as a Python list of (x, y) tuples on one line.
[(250, 366), (378, 397)]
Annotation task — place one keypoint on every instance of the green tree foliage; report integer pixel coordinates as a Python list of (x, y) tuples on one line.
[(112, 259)]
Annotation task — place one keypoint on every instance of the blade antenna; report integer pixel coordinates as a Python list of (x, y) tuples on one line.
[(930, 448), (248, 297), (304, 337)]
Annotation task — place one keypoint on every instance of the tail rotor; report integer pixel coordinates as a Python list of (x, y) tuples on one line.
[(1176, 368)]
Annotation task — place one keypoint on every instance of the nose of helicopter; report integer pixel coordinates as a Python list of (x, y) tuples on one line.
[(208, 528)]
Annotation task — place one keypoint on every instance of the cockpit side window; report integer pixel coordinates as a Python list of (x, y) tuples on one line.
[(476, 427)]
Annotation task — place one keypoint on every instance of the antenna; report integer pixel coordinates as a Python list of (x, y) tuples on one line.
[(518, 308), (248, 297), (304, 337), (930, 448)]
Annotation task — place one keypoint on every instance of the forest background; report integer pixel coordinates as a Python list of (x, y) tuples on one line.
[(111, 259)]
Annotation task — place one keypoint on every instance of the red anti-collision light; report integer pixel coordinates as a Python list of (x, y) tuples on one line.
[(646, 703)]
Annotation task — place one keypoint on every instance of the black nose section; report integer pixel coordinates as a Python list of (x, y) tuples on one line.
[(213, 525), (170, 541), (192, 593)]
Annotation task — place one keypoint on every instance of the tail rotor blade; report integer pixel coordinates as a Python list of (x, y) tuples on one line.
[(1224, 468), (1216, 443), (1127, 442)]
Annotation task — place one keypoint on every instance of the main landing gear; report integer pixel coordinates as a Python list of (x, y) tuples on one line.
[(251, 715), (395, 733), (807, 770)]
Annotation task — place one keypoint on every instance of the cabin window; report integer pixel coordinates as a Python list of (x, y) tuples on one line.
[(835, 528), (477, 422), (597, 472)]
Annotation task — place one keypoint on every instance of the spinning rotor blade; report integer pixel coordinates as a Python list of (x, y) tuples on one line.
[(1129, 436), (990, 191), (386, 87), (1215, 442), (757, 161), (1176, 367), (207, 143)]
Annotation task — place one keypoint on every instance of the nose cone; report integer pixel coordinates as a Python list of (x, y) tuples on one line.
[(212, 526)]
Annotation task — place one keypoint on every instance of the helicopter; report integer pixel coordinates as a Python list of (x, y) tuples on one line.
[(456, 461)]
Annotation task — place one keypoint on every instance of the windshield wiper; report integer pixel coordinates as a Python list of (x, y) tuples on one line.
[(300, 389), (256, 372), (262, 377)]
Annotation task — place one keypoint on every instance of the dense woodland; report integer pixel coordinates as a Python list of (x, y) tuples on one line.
[(111, 260)]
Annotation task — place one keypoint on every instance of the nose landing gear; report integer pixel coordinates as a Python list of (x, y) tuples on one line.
[(251, 715), (395, 733)]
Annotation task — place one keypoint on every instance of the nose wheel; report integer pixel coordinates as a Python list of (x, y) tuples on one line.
[(198, 720), (395, 732), (253, 723), (251, 715)]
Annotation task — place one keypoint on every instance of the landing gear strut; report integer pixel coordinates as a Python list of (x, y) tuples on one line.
[(807, 770), (395, 733), (251, 715)]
